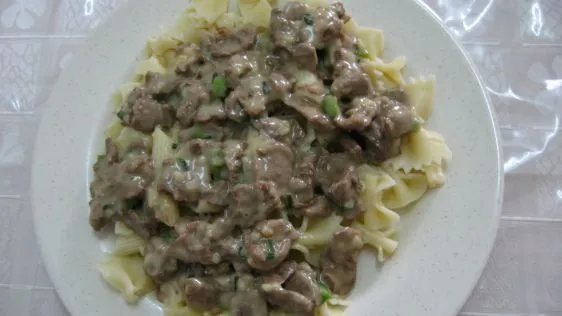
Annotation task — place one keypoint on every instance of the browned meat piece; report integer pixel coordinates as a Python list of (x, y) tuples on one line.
[(284, 32), (298, 293), (116, 182), (233, 153), (233, 107), (193, 94), (157, 264), (304, 54), (379, 146), (240, 65), (190, 62), (180, 180), (302, 183), (141, 221), (269, 243), (104, 206), (274, 127), (248, 303), (194, 244), (142, 112), (339, 263), (280, 86), (359, 115), (210, 112), (204, 293), (396, 118), (111, 151), (273, 162), (320, 208), (207, 131), (351, 147), (100, 214), (133, 175), (215, 270), (396, 94), (250, 95), (350, 81), (311, 110), (303, 281), (328, 24), (251, 203), (157, 83), (283, 272), (296, 10), (339, 181), (218, 194), (393, 120), (228, 42)]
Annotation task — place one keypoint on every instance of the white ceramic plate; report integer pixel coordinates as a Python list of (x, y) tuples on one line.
[(446, 239)]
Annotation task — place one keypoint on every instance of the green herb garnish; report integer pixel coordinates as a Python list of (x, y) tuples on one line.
[(325, 292), (361, 51), (308, 19), (170, 235), (219, 86), (266, 88), (349, 205), (217, 157), (242, 253), (182, 163), (416, 126), (270, 249), (197, 131), (331, 106), (174, 146), (121, 114)]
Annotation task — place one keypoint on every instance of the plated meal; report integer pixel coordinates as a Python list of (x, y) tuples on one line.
[(254, 155)]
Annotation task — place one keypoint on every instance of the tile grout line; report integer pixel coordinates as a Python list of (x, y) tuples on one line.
[(10, 196), (24, 287), (15, 113), (531, 219), (40, 36)]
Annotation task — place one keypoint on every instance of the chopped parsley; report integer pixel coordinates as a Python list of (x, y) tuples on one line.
[(349, 205), (242, 253), (197, 131), (182, 163), (219, 86), (170, 235), (325, 292), (270, 249), (174, 146), (121, 114), (416, 126), (217, 157), (308, 19), (265, 87), (361, 51), (331, 106)]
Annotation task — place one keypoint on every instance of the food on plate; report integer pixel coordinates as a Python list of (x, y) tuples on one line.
[(253, 156)]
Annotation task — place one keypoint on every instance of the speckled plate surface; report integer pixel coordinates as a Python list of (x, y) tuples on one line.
[(445, 239)]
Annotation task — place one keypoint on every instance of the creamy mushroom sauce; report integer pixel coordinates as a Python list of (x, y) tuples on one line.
[(273, 124)]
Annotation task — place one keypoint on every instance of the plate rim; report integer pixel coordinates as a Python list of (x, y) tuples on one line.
[(93, 37)]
